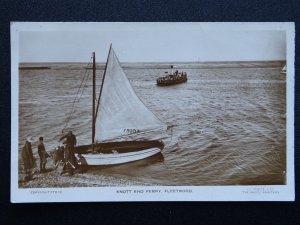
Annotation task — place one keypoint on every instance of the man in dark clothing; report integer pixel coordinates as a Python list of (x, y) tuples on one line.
[(70, 141), (43, 155), (28, 160)]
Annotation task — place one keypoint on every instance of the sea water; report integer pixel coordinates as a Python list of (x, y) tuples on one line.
[(227, 124)]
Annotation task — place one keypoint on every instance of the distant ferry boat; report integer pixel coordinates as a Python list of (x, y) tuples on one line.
[(172, 78)]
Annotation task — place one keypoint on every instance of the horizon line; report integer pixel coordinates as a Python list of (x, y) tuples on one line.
[(166, 62)]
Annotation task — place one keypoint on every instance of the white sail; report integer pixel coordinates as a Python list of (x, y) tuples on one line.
[(283, 69), (120, 111)]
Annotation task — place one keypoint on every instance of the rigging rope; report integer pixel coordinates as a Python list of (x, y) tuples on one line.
[(77, 97)]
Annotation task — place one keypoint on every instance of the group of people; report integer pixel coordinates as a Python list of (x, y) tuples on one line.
[(29, 161), (177, 75)]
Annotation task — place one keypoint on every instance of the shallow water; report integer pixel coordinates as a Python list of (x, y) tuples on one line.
[(228, 124)]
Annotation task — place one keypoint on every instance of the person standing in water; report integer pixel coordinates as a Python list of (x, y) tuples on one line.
[(28, 159), (43, 155)]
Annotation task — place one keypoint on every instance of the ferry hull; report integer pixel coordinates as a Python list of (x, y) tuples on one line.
[(171, 82)]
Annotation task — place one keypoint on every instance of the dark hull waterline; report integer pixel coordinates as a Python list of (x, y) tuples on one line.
[(120, 147)]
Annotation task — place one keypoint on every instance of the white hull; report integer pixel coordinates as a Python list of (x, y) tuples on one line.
[(99, 159)]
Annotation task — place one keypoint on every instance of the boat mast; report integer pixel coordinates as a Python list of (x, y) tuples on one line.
[(94, 99)]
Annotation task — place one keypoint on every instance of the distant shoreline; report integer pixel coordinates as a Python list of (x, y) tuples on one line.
[(34, 67), (158, 65)]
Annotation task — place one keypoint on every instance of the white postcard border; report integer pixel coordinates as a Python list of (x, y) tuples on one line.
[(153, 193)]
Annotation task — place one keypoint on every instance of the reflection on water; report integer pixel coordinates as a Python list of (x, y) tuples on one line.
[(228, 125)]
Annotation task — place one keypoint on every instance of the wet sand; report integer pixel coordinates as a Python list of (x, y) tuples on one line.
[(53, 178)]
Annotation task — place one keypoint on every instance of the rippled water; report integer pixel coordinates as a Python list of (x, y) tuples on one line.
[(228, 124)]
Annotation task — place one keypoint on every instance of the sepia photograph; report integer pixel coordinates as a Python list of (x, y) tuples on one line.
[(152, 112)]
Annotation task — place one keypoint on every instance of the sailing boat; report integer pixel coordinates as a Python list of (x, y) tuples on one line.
[(283, 69), (119, 113)]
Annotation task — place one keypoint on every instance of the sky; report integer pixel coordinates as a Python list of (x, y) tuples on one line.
[(151, 42)]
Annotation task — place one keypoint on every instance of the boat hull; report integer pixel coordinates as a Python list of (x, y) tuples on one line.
[(110, 153), (171, 82), (99, 159), (121, 146)]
